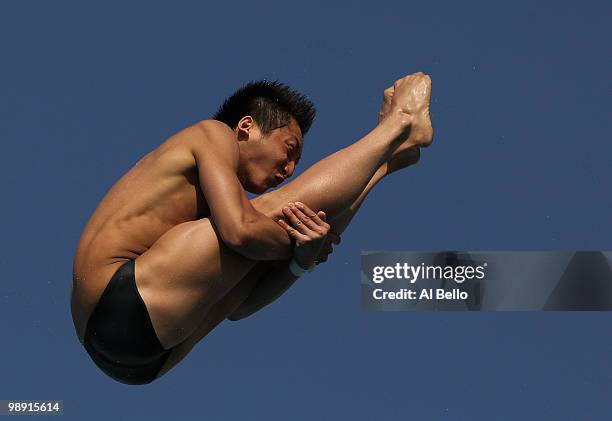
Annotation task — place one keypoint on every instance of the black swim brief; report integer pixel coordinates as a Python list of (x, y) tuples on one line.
[(120, 337)]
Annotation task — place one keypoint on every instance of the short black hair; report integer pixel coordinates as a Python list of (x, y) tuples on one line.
[(270, 103)]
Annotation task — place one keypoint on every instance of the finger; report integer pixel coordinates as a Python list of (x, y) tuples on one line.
[(332, 238), (312, 215), (307, 216), (322, 215), (290, 213), (308, 221), (292, 219), (292, 231)]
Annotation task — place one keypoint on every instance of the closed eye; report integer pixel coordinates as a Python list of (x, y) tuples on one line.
[(290, 148)]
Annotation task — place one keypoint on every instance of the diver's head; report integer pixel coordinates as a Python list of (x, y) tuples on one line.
[(270, 120)]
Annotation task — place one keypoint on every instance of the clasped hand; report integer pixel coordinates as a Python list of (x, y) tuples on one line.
[(311, 232)]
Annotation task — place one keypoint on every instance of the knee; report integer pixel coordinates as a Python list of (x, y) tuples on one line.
[(271, 204)]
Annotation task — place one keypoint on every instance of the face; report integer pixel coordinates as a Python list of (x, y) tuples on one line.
[(266, 161)]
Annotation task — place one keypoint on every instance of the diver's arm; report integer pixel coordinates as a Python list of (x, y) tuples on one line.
[(241, 227), (313, 246)]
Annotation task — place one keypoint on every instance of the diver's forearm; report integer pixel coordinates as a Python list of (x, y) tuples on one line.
[(263, 239)]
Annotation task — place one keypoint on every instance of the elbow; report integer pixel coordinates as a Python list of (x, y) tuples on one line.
[(236, 238), (237, 232)]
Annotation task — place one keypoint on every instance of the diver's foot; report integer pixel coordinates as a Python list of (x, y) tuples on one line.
[(421, 132), (421, 129), (420, 135), (417, 91)]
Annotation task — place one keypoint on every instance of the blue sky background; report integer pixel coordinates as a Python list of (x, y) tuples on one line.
[(521, 161)]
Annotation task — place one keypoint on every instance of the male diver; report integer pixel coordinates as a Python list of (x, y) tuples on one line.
[(176, 247)]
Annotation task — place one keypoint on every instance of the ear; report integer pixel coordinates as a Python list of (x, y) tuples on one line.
[(244, 128)]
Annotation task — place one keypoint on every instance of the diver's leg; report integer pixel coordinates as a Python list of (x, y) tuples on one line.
[(189, 269), (335, 183), (237, 295), (218, 312), (404, 159)]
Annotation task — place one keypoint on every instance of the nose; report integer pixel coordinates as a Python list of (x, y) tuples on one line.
[(291, 169), (288, 169)]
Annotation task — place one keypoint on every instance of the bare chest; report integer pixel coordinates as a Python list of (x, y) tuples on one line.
[(153, 197)]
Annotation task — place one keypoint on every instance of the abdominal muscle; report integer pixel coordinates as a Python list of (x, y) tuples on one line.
[(158, 193)]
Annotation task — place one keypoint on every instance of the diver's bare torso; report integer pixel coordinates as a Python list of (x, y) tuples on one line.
[(161, 191)]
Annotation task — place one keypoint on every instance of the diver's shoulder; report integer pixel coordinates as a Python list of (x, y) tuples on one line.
[(212, 135), (199, 139), (213, 129)]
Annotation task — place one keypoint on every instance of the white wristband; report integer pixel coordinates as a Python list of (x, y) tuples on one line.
[(297, 270)]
